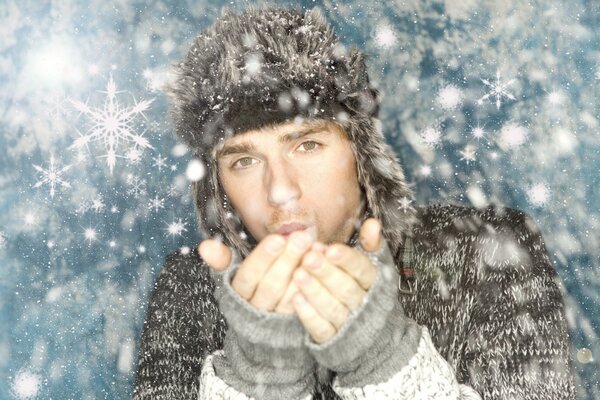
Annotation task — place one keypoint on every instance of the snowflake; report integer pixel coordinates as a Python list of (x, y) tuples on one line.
[(538, 194), (31, 219), (385, 37), (112, 125), (26, 385), (425, 170), (431, 137), (156, 203), (513, 135), (176, 228), (468, 154), (90, 235), (160, 162), (450, 97), (478, 132), (173, 191), (555, 98), (404, 204), (155, 126), (52, 176), (58, 107), (97, 204), (137, 186), (498, 90)]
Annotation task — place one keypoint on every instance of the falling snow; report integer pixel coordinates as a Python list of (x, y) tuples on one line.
[(431, 137), (538, 195), (112, 126), (385, 36), (450, 97), (498, 90), (52, 176), (176, 228), (94, 189), (26, 385)]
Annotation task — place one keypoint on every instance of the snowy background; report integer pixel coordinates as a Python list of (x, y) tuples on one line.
[(482, 100)]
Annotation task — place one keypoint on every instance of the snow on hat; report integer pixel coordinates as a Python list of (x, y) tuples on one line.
[(272, 65)]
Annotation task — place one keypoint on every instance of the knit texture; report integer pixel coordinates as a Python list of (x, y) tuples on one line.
[(487, 294), (264, 353), (377, 339)]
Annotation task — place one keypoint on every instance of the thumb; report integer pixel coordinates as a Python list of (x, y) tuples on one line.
[(370, 234), (215, 253)]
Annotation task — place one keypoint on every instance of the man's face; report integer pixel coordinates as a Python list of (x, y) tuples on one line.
[(292, 176)]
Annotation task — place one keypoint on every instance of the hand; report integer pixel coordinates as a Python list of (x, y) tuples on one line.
[(264, 277), (333, 283)]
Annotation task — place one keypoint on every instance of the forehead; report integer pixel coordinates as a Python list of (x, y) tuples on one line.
[(283, 132)]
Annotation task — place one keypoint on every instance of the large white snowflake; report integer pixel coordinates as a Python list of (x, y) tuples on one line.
[(498, 90), (52, 176), (112, 126), (176, 228), (26, 385)]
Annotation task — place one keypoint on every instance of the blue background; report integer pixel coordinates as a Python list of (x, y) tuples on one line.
[(77, 265)]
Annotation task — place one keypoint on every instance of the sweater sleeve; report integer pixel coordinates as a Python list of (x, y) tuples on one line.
[(183, 326), (380, 353), (518, 345)]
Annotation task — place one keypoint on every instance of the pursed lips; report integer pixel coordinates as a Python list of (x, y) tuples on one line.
[(289, 228)]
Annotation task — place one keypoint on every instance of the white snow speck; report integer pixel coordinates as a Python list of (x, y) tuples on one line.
[(179, 150), (512, 135), (385, 36), (26, 385), (450, 97), (431, 136), (538, 194), (476, 196), (195, 171)]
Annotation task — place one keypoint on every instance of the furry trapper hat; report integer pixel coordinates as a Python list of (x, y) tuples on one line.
[(268, 66)]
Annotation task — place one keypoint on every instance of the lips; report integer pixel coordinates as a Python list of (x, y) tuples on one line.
[(287, 229)]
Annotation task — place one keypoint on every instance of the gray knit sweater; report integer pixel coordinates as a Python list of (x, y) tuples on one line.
[(485, 320)]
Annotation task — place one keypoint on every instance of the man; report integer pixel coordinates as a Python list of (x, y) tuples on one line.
[(317, 278)]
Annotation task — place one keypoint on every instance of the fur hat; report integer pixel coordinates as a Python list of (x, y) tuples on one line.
[(268, 66)]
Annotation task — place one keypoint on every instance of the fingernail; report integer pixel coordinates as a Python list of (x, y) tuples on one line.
[(275, 244), (301, 277)]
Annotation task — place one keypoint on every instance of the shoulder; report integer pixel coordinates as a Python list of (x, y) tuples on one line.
[(494, 238), (459, 219), (184, 276)]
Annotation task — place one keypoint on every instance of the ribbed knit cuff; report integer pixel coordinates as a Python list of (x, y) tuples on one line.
[(264, 352), (377, 340)]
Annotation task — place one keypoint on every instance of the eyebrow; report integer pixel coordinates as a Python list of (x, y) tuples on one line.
[(247, 147)]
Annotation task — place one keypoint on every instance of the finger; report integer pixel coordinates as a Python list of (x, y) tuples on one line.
[(330, 308), (285, 305), (370, 234), (319, 247), (256, 265), (274, 283), (317, 327), (339, 283), (354, 263), (215, 253)]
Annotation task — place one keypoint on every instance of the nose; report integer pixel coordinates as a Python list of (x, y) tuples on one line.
[(281, 181)]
